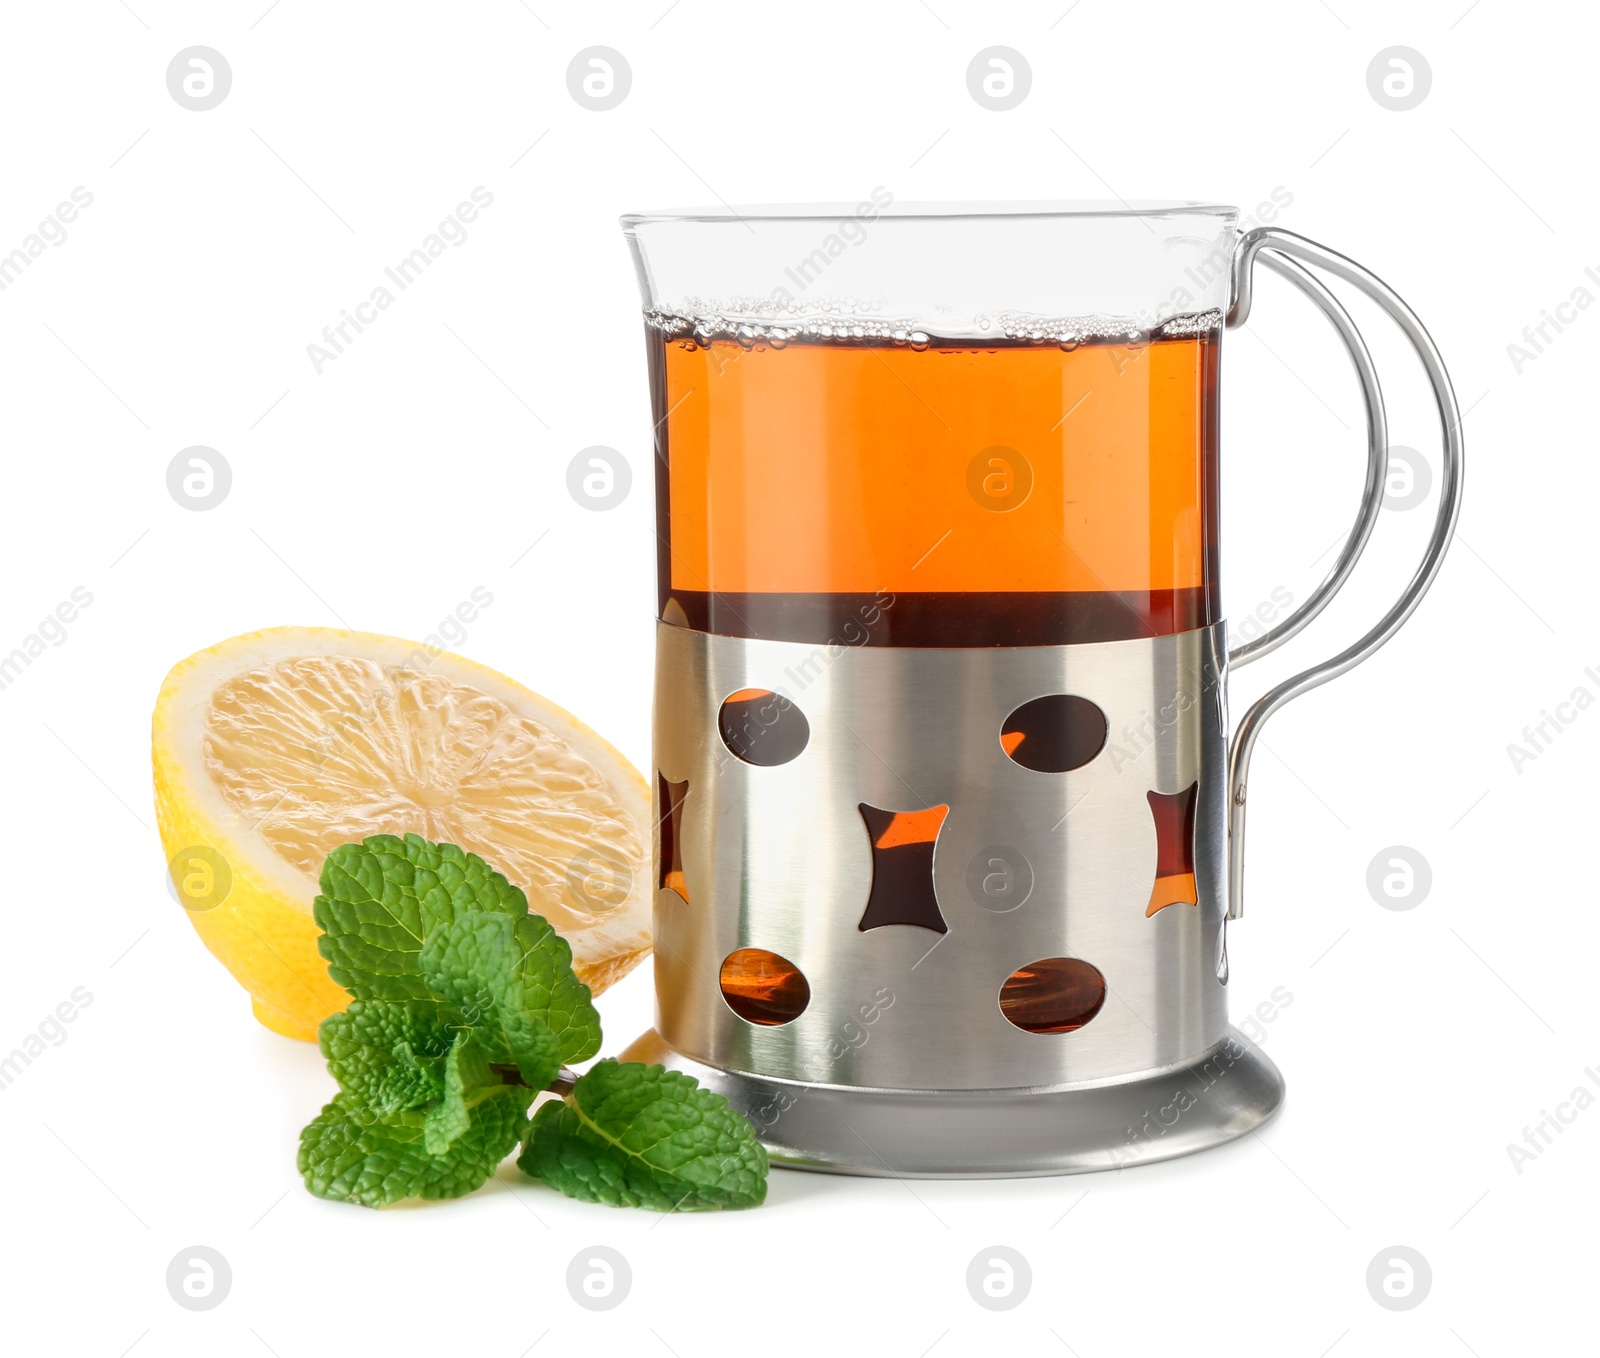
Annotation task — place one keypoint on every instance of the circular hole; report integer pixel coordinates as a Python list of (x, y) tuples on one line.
[(762, 727), (1054, 734), (763, 988), (1053, 995)]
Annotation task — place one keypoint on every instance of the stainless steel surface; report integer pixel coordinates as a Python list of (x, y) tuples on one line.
[(1251, 245), (779, 858), (1218, 1095)]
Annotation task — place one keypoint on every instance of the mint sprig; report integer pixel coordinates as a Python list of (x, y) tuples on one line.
[(466, 1008)]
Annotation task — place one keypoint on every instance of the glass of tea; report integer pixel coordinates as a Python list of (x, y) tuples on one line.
[(950, 820)]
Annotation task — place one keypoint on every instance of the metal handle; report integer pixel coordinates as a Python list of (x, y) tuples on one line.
[(1280, 246)]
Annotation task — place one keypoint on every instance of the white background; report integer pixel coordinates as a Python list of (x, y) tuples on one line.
[(428, 457)]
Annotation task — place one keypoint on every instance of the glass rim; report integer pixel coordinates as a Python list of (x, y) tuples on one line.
[(935, 211)]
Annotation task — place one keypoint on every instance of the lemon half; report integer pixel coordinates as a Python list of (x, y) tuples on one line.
[(275, 747)]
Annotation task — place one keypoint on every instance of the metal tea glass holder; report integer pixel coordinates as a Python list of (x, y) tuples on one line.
[(899, 1060)]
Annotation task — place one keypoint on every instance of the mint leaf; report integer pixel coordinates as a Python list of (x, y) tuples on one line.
[(453, 982), (631, 1135), (381, 898), (473, 963), (466, 1072), (349, 1153), (552, 990), (388, 1057)]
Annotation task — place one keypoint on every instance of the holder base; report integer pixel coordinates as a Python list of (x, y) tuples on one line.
[(998, 1133)]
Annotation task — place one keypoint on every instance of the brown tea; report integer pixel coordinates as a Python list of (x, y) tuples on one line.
[(877, 487)]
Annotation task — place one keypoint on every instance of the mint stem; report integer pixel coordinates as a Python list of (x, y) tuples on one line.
[(562, 1084)]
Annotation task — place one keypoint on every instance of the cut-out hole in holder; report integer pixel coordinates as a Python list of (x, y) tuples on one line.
[(1054, 734), (1174, 817), (763, 988), (669, 803), (762, 727), (902, 868), (1053, 995)]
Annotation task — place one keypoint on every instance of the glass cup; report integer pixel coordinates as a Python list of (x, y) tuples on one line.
[(950, 821)]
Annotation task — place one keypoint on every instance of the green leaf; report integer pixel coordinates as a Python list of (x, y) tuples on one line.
[(631, 1135), (388, 1057), (552, 990), (466, 1071), (381, 898), (472, 963), (349, 1153)]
